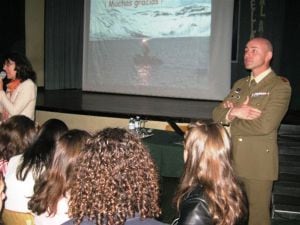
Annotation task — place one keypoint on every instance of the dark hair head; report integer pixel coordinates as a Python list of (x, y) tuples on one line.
[(67, 150), (56, 179), (39, 156), (115, 178), (16, 134), (23, 66)]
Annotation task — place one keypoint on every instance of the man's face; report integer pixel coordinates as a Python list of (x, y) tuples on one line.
[(257, 56), (9, 67)]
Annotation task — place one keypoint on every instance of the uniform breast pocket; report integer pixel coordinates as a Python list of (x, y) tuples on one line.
[(259, 99)]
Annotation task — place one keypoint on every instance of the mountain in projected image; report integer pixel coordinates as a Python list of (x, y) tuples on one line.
[(113, 19)]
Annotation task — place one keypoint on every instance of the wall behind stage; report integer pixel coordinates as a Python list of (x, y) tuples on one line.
[(34, 38)]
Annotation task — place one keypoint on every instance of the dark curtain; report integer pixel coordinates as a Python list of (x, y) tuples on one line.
[(63, 44), (12, 23), (290, 51)]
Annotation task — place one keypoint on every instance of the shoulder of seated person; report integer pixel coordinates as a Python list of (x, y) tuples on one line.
[(194, 209), (195, 195)]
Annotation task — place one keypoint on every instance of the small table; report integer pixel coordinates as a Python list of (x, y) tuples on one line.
[(167, 151)]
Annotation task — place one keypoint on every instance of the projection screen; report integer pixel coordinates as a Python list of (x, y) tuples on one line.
[(166, 48)]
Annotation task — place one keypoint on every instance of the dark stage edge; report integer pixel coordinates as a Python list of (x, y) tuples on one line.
[(125, 106)]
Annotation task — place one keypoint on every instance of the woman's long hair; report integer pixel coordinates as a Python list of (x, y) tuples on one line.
[(54, 183), (207, 153), (16, 134), (39, 155), (115, 178)]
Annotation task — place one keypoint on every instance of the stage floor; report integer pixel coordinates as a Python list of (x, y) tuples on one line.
[(125, 106)]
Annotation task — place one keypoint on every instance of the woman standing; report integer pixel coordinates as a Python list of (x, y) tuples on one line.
[(209, 192), (21, 91)]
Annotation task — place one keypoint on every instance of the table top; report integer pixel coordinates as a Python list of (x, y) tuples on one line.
[(167, 151)]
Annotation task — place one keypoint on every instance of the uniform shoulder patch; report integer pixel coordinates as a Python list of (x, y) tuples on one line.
[(284, 79)]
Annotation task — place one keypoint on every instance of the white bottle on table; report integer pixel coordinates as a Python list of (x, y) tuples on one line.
[(131, 124)]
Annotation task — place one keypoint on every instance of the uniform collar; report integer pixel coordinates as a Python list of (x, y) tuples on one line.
[(261, 76)]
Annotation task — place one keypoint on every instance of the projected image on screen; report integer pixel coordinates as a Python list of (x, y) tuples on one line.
[(155, 47), (115, 19)]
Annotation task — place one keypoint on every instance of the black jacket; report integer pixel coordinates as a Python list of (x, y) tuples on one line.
[(194, 209)]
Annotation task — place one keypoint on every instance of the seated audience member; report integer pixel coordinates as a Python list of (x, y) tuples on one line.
[(53, 208), (20, 95), (116, 182), (24, 169), (209, 193), (16, 134), (2, 194)]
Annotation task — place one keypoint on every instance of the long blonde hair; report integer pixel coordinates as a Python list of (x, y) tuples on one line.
[(208, 163)]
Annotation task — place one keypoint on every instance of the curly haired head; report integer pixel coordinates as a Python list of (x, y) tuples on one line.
[(207, 156), (116, 178), (16, 134)]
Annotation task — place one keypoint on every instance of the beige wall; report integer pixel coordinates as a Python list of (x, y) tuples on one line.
[(93, 123), (34, 26)]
